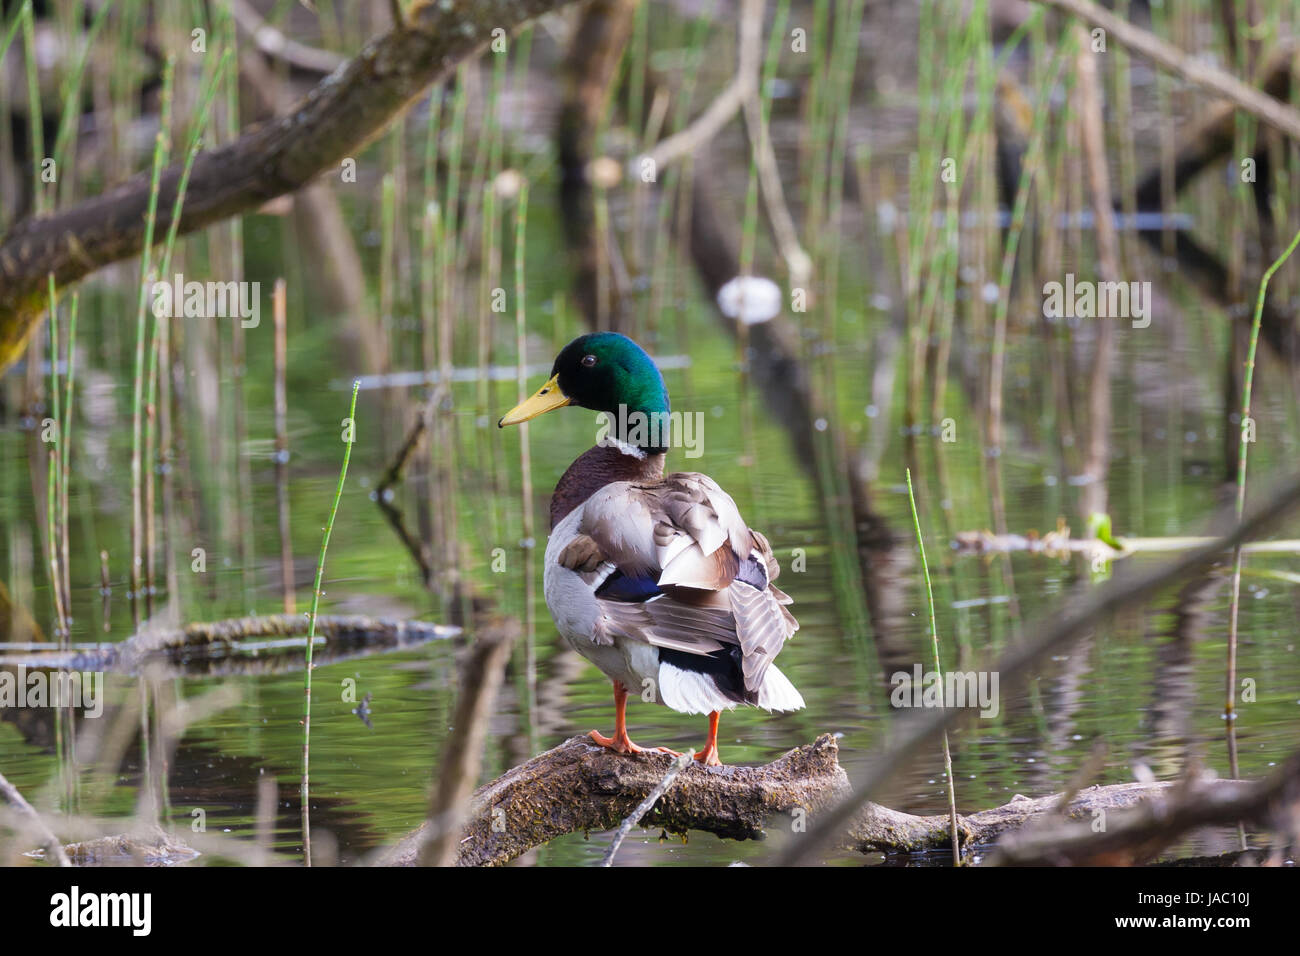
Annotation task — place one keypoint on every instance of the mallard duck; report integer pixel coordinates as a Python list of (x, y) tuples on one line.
[(656, 579)]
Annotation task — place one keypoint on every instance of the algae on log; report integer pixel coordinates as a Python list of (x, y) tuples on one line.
[(578, 786), (338, 117), (880, 828)]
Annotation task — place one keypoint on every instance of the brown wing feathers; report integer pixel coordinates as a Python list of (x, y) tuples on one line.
[(582, 554), (714, 571)]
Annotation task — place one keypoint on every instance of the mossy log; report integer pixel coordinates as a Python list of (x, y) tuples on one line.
[(578, 787), (147, 846), (878, 828), (1271, 805)]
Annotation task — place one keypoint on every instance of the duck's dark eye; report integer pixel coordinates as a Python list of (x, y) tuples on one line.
[(589, 360)]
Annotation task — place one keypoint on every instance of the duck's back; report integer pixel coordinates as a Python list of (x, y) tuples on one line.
[(667, 563)]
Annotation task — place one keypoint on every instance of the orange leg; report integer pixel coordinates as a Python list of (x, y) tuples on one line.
[(709, 755), (620, 742)]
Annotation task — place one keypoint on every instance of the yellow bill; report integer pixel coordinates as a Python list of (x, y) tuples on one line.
[(543, 400)]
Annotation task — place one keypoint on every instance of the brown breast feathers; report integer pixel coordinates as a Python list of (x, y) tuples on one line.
[(596, 468)]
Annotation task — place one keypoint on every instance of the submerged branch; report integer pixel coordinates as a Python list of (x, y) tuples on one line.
[(462, 754), (219, 640)]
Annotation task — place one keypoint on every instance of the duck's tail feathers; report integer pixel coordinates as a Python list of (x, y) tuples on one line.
[(777, 693), (692, 691)]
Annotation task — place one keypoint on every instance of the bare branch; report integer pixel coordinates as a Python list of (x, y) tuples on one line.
[(1137, 837), (336, 119), (681, 763), (33, 819), (1263, 107), (463, 753), (1060, 631), (275, 44), (727, 104)]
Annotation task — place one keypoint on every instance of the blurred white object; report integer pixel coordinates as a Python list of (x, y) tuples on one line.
[(751, 299), (508, 183)]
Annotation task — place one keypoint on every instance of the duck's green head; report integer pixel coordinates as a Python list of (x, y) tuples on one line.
[(603, 371)]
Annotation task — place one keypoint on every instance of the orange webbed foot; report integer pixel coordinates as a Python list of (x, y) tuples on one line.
[(708, 756), (622, 744)]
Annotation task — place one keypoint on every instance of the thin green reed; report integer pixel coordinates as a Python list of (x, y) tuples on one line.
[(813, 155), (830, 111), (55, 400), (431, 239), (56, 510), (387, 247), (23, 12), (485, 157), (1032, 160), (922, 175), (52, 481), (935, 42), (14, 24), (958, 147), (939, 138), (331, 32), (52, 566), (162, 146), (456, 143), (1029, 168), (827, 240), (37, 137), (450, 208), (207, 94), (767, 78), (1246, 437), (662, 273), (525, 469), (489, 268), (987, 70), (938, 671), (65, 437), (523, 52), (123, 91), (969, 144), (431, 131), (349, 437), (749, 229), (638, 54), (71, 93), (844, 63), (771, 59), (823, 225)]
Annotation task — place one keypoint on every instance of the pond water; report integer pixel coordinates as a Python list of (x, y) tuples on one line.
[(1149, 686)]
